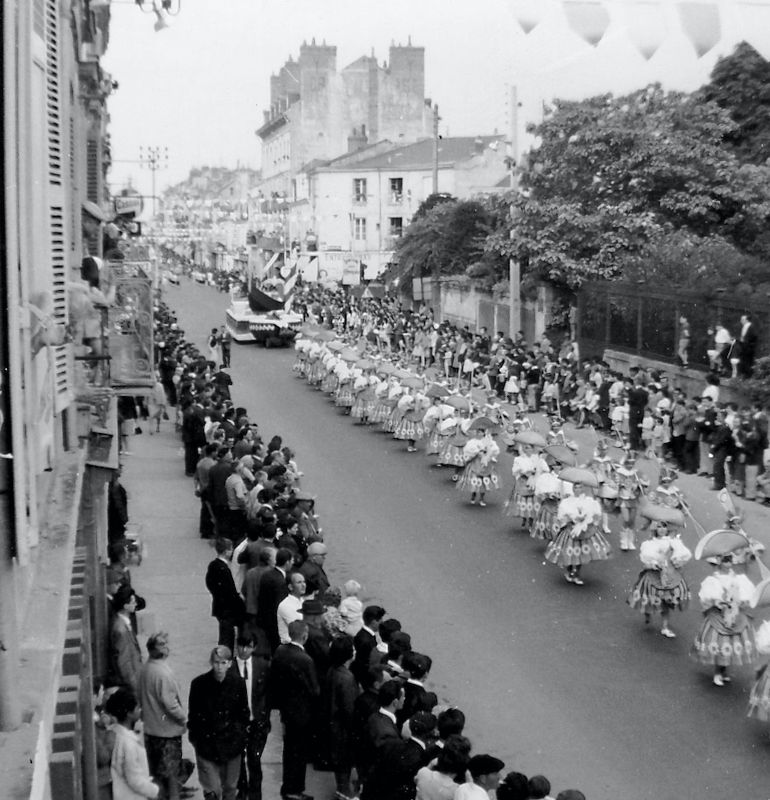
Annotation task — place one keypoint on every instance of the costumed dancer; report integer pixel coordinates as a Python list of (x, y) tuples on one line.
[(329, 379), (480, 455), (580, 538), (759, 698), (405, 428), (661, 586), (526, 467), (726, 637), (313, 375), (631, 487), (414, 417), (394, 393), (343, 397), (430, 421), (300, 359), (452, 453), (550, 490), (380, 410), (447, 427), (604, 469), (363, 397)]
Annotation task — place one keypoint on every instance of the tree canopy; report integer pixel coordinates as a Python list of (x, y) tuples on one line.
[(611, 174), (740, 84)]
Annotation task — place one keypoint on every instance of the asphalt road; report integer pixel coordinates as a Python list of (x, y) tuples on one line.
[(555, 679)]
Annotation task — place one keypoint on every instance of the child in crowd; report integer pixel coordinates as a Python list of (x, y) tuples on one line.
[(619, 419), (648, 428)]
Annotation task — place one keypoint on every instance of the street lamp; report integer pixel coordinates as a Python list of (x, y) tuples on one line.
[(154, 158)]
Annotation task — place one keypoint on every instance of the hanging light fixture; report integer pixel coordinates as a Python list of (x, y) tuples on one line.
[(646, 26), (588, 18), (701, 24)]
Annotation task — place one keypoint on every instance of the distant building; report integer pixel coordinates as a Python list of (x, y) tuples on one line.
[(355, 208), (317, 112)]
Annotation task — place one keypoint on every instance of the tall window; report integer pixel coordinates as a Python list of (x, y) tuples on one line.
[(396, 190), (395, 226), (359, 228), (359, 190)]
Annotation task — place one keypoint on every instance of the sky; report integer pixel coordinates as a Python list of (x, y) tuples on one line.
[(199, 87)]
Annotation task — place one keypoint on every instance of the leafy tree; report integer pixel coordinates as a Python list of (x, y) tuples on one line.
[(740, 84), (445, 240), (612, 174), (430, 202)]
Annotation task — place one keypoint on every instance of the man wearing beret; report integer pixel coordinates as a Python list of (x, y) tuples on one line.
[(485, 778)]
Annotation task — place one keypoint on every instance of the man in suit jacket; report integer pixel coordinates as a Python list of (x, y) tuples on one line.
[(747, 346), (381, 726), (293, 689), (416, 696), (365, 641), (226, 604), (392, 774), (251, 665), (272, 590)]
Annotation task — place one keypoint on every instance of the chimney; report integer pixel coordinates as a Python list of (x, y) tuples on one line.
[(357, 140)]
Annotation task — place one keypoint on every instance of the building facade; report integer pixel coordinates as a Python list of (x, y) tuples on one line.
[(357, 206), (318, 112), (58, 426)]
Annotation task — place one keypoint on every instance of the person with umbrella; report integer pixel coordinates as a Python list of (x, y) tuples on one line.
[(526, 467), (480, 456), (661, 586), (759, 697), (580, 538), (726, 637), (604, 469)]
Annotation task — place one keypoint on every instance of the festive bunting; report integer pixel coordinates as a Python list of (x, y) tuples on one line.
[(528, 13), (646, 26), (701, 24), (588, 18)]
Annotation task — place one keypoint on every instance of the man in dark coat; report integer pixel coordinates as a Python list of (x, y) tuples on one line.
[(293, 689), (218, 475), (226, 604), (365, 641), (218, 718), (637, 401), (313, 569), (272, 589), (416, 696), (381, 726), (193, 436), (392, 774)]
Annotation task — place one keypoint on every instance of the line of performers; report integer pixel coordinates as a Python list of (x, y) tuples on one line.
[(567, 506)]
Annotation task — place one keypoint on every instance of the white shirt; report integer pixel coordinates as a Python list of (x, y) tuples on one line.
[(388, 714), (471, 791), (288, 611)]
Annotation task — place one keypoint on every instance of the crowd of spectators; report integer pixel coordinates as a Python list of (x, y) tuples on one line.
[(351, 689)]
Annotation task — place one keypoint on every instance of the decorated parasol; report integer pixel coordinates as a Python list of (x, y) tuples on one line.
[(561, 453), (580, 475), (413, 382), (459, 402), (386, 368), (351, 356), (437, 390), (657, 512), (721, 542), (761, 598), (482, 424), (335, 346), (531, 437), (364, 363)]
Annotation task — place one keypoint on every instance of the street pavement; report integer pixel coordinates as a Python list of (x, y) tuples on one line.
[(555, 679)]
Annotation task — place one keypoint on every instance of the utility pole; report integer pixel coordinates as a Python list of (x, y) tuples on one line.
[(154, 158), (436, 119), (514, 271)]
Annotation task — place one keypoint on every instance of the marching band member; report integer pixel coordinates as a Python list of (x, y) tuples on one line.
[(726, 637), (604, 469), (630, 487), (480, 457), (661, 586)]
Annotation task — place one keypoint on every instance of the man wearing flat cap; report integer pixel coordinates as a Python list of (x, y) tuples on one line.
[(485, 777), (313, 569)]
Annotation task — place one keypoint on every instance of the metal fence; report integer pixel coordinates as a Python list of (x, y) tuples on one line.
[(635, 318)]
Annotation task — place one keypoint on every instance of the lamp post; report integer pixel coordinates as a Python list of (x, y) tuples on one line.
[(154, 158)]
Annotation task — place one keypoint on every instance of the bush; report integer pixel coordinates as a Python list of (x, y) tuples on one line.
[(757, 387)]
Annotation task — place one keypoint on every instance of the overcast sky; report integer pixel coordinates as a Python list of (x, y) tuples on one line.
[(200, 86)]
